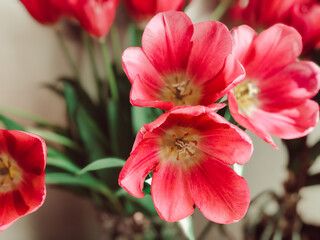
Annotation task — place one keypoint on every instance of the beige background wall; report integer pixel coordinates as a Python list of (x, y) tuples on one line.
[(30, 56)]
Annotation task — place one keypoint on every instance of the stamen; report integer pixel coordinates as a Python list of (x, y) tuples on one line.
[(246, 95), (180, 90)]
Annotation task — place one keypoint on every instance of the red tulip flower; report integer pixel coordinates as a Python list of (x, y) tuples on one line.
[(306, 19), (181, 63), (263, 13), (142, 11), (42, 10), (275, 96), (22, 178), (189, 150), (63, 6), (303, 15), (95, 16)]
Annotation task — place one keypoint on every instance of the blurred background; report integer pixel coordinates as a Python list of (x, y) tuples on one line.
[(29, 57)]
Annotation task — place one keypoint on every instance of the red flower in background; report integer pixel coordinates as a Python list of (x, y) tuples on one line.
[(22, 178), (189, 150), (262, 13), (181, 63), (306, 19), (42, 10), (63, 7), (303, 15), (275, 96), (95, 16), (142, 11)]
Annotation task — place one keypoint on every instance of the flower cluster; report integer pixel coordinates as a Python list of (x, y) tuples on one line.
[(186, 68), (303, 15)]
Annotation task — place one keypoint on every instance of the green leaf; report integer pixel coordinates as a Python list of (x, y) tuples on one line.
[(10, 124), (141, 116), (103, 164), (36, 119), (54, 137), (96, 144), (187, 227), (113, 120), (84, 180), (57, 159)]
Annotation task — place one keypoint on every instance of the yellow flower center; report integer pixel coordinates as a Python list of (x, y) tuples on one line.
[(246, 95), (181, 91), (10, 173), (179, 145)]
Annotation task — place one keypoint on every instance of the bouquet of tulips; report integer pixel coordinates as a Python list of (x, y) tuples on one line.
[(165, 131)]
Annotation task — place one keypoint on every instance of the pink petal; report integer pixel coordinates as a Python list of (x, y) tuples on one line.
[(242, 37), (289, 123), (271, 50), (212, 43), (145, 94), (231, 74), (225, 142), (166, 41), (135, 63), (170, 192), (141, 162), (246, 122), (289, 87), (220, 194), (149, 127)]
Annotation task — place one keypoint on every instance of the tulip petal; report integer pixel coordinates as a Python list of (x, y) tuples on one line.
[(165, 5), (220, 194), (170, 192), (271, 50), (135, 63), (242, 37), (216, 142), (246, 121), (166, 41), (29, 150), (141, 162), (290, 123), (231, 74), (212, 43), (145, 94), (289, 87)]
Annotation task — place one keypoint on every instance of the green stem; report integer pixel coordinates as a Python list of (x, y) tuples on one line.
[(111, 76), (88, 43), (67, 55), (116, 46), (221, 9), (135, 36)]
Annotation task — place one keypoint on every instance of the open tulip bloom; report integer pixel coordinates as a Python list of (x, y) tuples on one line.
[(189, 150), (181, 63), (22, 178), (275, 96)]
